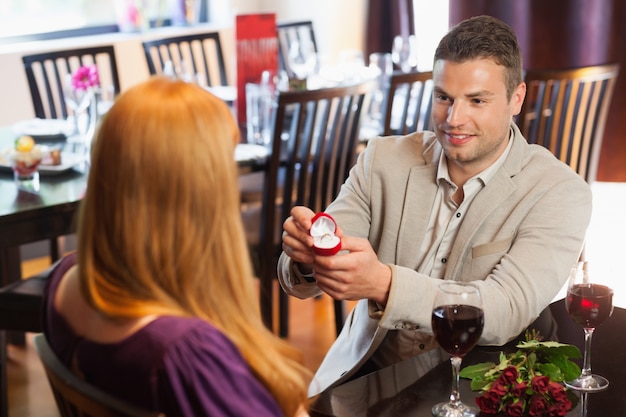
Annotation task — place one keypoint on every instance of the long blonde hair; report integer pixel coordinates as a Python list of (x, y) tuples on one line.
[(160, 229)]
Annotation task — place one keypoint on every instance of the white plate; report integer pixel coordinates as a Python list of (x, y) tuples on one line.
[(250, 152), (43, 127), (68, 161), (225, 92)]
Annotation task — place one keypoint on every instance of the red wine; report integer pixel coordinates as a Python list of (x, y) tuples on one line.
[(457, 328), (589, 304)]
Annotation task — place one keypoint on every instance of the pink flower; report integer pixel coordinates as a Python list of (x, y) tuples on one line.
[(85, 77)]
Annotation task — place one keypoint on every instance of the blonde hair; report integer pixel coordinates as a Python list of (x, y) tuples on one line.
[(160, 229)]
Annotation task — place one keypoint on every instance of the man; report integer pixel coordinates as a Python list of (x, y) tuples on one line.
[(471, 202)]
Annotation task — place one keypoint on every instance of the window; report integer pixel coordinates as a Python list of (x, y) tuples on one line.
[(42, 18)]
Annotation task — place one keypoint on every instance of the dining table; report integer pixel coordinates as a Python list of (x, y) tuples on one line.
[(27, 217), (397, 391)]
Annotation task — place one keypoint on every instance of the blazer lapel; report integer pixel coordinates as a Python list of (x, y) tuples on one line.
[(418, 202)]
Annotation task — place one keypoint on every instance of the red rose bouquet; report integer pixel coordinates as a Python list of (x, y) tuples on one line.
[(527, 382)]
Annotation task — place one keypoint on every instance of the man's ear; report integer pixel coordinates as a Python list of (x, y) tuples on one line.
[(517, 98)]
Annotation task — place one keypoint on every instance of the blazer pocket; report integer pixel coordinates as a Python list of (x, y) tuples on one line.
[(491, 248)]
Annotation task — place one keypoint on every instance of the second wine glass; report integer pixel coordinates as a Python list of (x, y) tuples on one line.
[(589, 303), (457, 322)]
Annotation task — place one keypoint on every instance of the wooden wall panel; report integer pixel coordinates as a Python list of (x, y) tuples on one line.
[(565, 34)]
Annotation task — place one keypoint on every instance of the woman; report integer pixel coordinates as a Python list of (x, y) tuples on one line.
[(158, 307)]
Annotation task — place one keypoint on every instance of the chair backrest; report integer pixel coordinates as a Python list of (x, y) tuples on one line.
[(75, 397), (566, 110), (315, 137), (408, 103), (290, 32), (46, 74), (198, 56)]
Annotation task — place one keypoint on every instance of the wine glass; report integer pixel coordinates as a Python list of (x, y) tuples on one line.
[(382, 66), (404, 52), (457, 322), (302, 59), (589, 303)]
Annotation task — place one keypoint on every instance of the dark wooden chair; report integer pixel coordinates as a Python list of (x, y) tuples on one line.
[(21, 305), (290, 32), (314, 144), (77, 398), (565, 111), (46, 74), (408, 103), (198, 56)]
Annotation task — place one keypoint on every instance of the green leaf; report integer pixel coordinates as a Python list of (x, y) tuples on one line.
[(475, 371), (550, 370), (570, 371), (529, 344), (570, 351), (532, 360), (479, 384)]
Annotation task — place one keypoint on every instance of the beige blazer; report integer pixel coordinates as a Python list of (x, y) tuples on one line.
[(519, 238)]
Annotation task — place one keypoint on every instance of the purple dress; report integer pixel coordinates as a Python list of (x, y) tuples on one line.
[(178, 366)]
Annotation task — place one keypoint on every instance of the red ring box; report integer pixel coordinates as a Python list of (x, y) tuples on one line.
[(323, 230)]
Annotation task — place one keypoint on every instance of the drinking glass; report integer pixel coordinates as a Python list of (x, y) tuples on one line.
[(351, 63), (24, 165), (382, 66), (260, 107), (589, 303), (302, 59), (457, 322), (404, 52), (77, 100)]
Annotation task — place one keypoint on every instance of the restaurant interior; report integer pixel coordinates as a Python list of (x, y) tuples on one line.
[(555, 37)]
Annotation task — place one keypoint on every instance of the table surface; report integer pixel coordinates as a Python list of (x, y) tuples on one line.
[(395, 391), (63, 191)]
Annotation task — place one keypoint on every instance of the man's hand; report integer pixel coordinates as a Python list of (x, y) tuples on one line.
[(354, 273), (297, 242)]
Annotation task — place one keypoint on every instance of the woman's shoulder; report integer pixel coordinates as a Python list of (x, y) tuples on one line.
[(207, 372)]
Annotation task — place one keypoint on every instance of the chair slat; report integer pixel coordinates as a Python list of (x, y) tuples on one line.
[(408, 103), (46, 74), (565, 111), (314, 144), (202, 51)]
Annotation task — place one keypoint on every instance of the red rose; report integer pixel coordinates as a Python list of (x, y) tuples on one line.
[(557, 392), (488, 404), (539, 384), (518, 389), (509, 375), (514, 407), (499, 388), (537, 406), (560, 409)]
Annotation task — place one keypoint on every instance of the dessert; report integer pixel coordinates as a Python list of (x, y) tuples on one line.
[(25, 156)]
